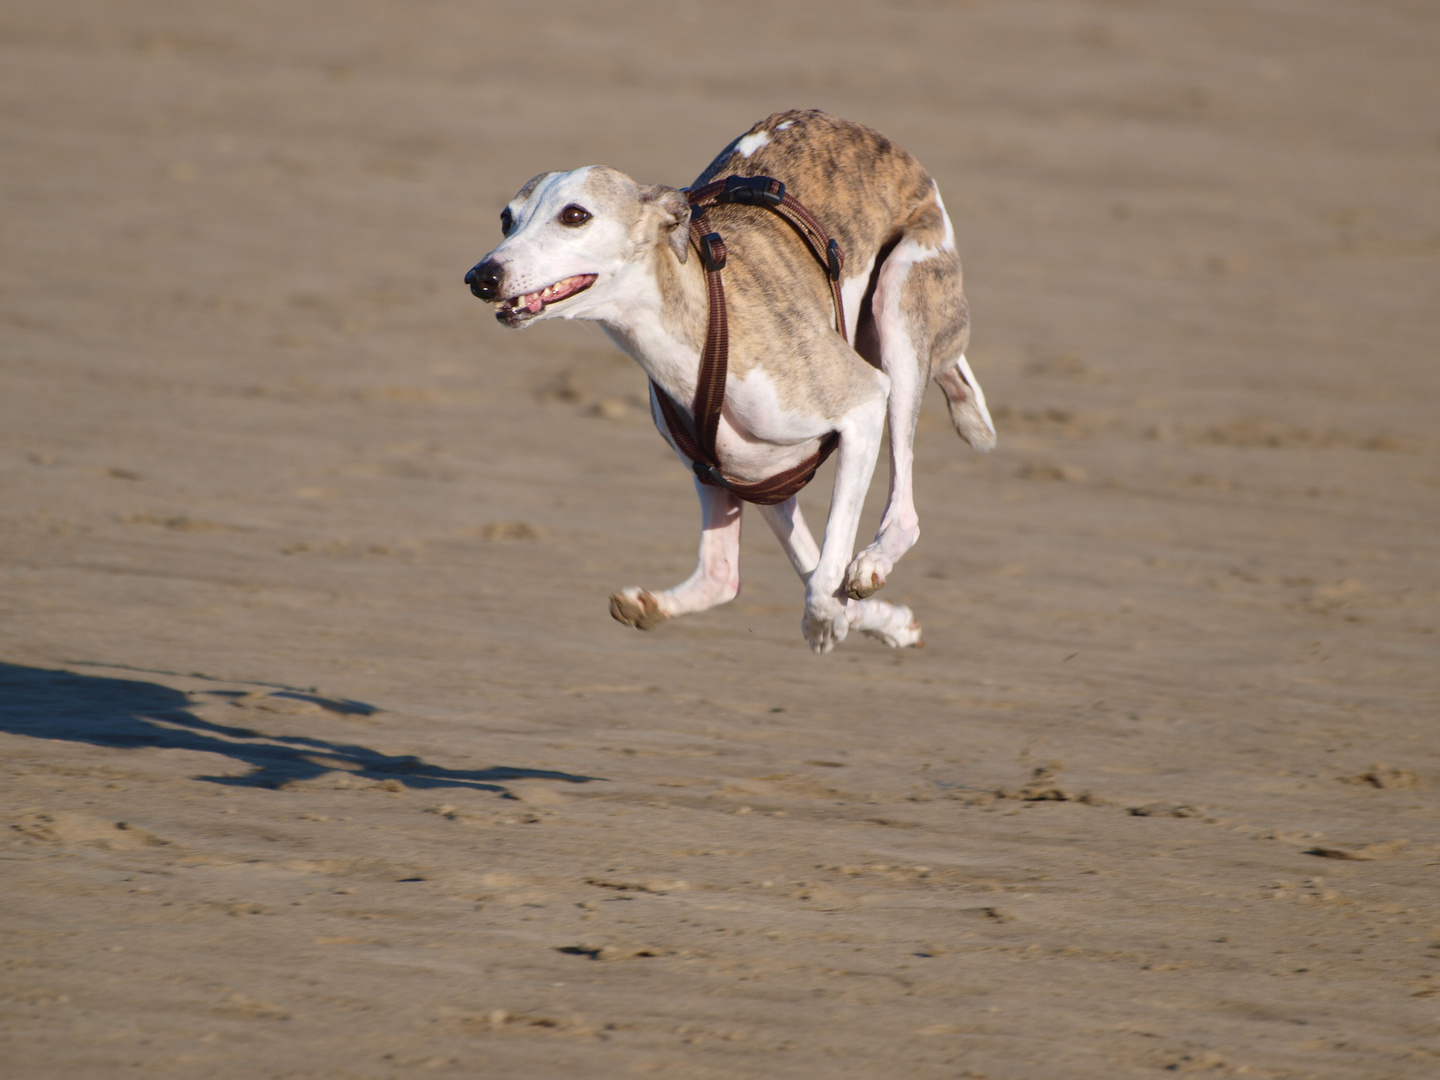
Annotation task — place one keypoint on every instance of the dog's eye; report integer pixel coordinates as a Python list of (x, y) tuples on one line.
[(574, 215), (507, 221)]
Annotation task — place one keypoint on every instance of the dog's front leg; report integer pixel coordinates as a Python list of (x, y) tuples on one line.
[(717, 575), (789, 527), (894, 624), (825, 623)]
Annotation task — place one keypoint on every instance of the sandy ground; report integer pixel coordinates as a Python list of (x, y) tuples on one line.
[(322, 757)]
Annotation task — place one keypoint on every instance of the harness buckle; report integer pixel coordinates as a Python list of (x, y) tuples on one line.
[(752, 191), (709, 474), (834, 260), (712, 252)]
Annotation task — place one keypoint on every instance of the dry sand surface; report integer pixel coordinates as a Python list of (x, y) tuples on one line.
[(322, 757)]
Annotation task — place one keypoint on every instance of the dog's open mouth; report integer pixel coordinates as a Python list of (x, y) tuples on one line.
[(517, 308)]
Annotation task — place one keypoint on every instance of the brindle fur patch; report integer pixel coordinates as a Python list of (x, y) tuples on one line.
[(866, 191), (936, 311)]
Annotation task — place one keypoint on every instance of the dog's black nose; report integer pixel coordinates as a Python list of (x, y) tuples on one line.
[(484, 280)]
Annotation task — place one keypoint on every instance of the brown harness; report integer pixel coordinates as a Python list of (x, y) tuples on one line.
[(699, 446)]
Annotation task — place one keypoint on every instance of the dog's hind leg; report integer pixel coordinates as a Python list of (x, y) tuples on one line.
[(717, 575), (922, 323), (903, 309), (893, 624)]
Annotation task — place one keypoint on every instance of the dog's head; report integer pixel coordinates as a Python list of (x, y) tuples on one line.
[(574, 243)]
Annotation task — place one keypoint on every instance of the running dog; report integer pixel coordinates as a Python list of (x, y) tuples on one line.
[(593, 244)]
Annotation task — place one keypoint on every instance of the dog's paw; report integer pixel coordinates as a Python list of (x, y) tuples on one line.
[(866, 575), (895, 625), (824, 627), (637, 608)]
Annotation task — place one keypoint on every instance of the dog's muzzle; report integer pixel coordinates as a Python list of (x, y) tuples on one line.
[(484, 280)]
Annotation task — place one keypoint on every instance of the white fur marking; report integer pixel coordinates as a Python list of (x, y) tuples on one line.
[(852, 292), (757, 435), (905, 255), (949, 244), (752, 142)]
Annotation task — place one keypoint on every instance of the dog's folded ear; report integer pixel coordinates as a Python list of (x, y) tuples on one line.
[(674, 211)]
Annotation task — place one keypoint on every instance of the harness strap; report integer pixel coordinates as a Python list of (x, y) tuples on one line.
[(699, 446)]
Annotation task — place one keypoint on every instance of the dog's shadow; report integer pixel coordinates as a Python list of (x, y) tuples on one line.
[(126, 713)]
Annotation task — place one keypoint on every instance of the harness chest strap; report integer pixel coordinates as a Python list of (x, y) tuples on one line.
[(709, 402)]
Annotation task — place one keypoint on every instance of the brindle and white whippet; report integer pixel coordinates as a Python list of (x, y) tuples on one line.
[(593, 244)]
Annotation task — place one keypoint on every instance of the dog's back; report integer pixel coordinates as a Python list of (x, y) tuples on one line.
[(865, 189)]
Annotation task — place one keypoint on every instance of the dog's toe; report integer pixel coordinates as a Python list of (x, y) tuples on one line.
[(864, 578), (859, 590), (637, 608)]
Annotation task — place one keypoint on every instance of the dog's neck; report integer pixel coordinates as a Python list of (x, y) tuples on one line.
[(658, 314)]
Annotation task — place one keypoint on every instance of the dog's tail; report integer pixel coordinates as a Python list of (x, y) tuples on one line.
[(967, 405)]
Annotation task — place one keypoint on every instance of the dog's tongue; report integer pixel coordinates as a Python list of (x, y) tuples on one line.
[(536, 305)]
